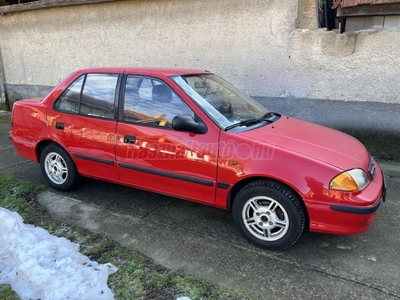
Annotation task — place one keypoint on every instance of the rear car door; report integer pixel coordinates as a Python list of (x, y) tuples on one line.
[(151, 154), (83, 120)]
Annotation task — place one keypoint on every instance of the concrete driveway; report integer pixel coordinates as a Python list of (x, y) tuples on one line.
[(204, 241)]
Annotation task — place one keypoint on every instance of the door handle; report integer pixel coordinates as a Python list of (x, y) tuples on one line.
[(129, 139), (60, 126)]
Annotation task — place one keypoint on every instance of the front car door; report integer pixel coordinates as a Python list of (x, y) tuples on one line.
[(152, 155)]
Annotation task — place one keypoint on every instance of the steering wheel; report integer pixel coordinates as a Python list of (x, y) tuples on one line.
[(221, 107)]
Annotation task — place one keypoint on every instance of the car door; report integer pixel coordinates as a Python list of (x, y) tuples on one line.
[(152, 155), (83, 120)]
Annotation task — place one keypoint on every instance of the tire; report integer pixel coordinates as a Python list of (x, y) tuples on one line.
[(269, 214), (58, 168)]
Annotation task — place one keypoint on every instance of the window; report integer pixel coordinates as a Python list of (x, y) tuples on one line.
[(69, 100), (152, 102), (220, 100), (91, 95), (98, 95)]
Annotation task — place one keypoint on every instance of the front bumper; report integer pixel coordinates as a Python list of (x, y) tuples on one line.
[(355, 209), (362, 210), (352, 216)]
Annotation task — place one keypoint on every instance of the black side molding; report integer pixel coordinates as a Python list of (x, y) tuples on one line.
[(95, 159), (222, 185), (167, 174), (355, 209)]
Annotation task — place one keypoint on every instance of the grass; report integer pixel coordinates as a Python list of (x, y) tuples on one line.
[(137, 276), (5, 118)]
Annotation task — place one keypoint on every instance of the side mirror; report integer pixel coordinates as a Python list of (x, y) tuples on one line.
[(187, 123)]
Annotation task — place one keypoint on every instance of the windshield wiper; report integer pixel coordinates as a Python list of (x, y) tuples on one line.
[(248, 122)]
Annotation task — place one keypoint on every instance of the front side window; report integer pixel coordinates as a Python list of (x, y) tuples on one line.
[(152, 102), (91, 95), (220, 100)]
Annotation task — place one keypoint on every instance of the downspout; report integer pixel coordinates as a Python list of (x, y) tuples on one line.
[(329, 15), (3, 98), (342, 20)]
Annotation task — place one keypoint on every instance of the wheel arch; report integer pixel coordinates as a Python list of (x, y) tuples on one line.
[(66, 172), (238, 186), (43, 144)]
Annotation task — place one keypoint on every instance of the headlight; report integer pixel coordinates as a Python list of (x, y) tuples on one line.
[(350, 181)]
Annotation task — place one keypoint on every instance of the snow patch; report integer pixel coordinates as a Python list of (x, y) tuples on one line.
[(39, 265)]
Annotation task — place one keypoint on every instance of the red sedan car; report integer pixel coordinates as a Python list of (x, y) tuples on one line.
[(192, 135)]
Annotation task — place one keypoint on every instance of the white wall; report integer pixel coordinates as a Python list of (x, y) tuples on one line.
[(359, 66), (252, 43)]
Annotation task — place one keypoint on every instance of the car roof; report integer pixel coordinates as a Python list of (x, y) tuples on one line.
[(146, 71)]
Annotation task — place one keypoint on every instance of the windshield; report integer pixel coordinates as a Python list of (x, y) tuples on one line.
[(223, 103)]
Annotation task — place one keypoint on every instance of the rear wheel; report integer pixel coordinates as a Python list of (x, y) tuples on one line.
[(58, 168), (269, 215)]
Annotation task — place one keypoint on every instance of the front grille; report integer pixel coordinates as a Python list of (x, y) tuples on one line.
[(371, 168)]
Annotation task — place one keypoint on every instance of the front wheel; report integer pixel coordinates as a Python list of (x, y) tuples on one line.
[(269, 214), (58, 168)]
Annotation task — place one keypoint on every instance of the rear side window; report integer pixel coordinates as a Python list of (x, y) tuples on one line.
[(98, 95), (90, 95)]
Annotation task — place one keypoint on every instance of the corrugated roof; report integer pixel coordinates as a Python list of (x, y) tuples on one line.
[(350, 3)]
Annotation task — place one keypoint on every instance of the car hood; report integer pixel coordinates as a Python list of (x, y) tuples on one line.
[(324, 144)]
